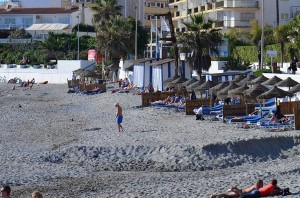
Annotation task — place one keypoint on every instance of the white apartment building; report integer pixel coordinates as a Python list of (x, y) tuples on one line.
[(33, 3), (236, 13)]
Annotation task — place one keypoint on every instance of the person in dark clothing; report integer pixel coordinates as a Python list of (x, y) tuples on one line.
[(193, 95)]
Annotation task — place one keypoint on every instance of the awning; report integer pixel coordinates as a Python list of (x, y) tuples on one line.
[(47, 27)]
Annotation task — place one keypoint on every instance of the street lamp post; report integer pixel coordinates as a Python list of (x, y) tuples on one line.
[(262, 36), (78, 16), (135, 40)]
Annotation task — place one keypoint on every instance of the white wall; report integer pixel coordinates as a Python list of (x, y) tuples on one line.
[(60, 75), (40, 3)]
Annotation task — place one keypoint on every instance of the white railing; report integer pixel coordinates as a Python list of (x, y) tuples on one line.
[(13, 26), (241, 3)]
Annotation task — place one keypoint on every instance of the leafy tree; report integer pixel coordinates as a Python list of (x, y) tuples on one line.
[(294, 36), (201, 40), (115, 36), (19, 34), (83, 28), (256, 34)]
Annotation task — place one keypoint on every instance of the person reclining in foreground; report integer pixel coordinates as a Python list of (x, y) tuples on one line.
[(236, 192), (268, 190)]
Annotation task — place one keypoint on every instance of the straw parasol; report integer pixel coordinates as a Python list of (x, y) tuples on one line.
[(172, 78), (179, 80), (239, 78), (275, 92), (238, 91), (218, 87), (206, 86), (223, 93), (289, 82), (246, 80), (295, 89), (255, 91), (260, 79), (195, 84), (189, 82), (272, 81)]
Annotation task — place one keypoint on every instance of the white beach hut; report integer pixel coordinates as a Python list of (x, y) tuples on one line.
[(162, 70), (142, 72)]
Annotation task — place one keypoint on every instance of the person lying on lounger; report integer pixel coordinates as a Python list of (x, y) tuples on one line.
[(168, 100), (236, 192)]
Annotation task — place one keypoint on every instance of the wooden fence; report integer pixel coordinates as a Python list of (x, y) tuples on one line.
[(147, 98), (87, 87), (289, 107), (237, 110), (190, 105)]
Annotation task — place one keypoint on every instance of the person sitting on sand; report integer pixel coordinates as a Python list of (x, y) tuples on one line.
[(125, 83), (268, 190), (236, 192), (278, 117)]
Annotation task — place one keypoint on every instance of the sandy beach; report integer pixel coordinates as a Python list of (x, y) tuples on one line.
[(67, 145)]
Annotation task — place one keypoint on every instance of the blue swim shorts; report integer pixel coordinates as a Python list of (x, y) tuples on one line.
[(119, 119)]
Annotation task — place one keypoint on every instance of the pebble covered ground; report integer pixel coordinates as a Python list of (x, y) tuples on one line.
[(67, 145)]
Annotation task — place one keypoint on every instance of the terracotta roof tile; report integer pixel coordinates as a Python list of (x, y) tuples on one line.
[(38, 11)]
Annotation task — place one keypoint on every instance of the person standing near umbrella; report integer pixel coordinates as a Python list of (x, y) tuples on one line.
[(293, 65)]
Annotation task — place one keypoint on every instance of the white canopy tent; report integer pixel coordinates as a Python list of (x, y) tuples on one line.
[(41, 31)]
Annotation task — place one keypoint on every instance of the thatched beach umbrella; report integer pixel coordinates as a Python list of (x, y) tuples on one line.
[(179, 80), (272, 81), (195, 84), (219, 87), (260, 79), (172, 78), (239, 78), (295, 89), (206, 86), (223, 93), (289, 82), (246, 80), (238, 91), (255, 91), (189, 82), (275, 92)]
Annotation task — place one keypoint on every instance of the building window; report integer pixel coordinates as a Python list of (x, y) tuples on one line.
[(27, 21), (64, 20), (196, 10), (248, 16), (152, 4), (46, 20), (10, 21), (284, 16)]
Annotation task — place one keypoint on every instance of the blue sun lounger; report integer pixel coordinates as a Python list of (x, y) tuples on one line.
[(286, 125)]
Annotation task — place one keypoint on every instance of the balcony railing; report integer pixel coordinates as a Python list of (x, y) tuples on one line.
[(202, 8), (13, 26), (239, 4), (233, 23)]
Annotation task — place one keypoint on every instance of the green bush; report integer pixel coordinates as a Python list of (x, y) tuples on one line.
[(261, 71)]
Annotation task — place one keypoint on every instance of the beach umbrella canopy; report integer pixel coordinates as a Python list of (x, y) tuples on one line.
[(223, 93), (195, 84), (272, 81), (289, 82), (255, 91), (218, 87), (295, 89), (260, 79), (238, 91), (239, 78), (189, 82), (206, 86), (172, 78), (246, 80), (275, 92), (179, 80)]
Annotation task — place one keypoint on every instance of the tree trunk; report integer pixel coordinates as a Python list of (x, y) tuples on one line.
[(282, 51)]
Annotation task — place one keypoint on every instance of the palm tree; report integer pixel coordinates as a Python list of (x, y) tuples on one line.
[(115, 36), (281, 36), (104, 9), (201, 40)]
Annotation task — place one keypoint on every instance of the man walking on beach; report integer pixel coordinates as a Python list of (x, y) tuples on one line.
[(119, 117)]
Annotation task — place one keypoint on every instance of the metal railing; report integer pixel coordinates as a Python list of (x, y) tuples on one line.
[(240, 4), (233, 23), (13, 26)]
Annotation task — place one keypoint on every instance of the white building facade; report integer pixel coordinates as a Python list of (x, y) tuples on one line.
[(237, 13)]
